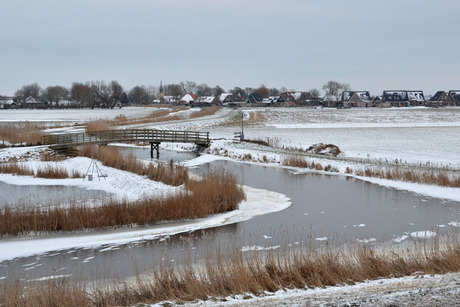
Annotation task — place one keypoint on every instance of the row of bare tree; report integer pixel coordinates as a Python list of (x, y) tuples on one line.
[(98, 94)]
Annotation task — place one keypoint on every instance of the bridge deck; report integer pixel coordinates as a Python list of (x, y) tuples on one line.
[(131, 135)]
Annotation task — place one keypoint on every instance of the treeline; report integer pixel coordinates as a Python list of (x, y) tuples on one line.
[(99, 94)]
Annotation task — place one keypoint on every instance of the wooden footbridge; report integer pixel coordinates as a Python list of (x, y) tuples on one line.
[(154, 137)]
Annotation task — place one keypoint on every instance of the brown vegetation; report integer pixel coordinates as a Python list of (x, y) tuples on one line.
[(205, 112), (218, 192), (160, 115), (432, 177), (109, 156), (21, 133), (97, 126), (48, 171), (15, 169), (218, 278)]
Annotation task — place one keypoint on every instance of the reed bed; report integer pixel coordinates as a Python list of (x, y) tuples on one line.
[(217, 192), (260, 272), (291, 269), (48, 171), (432, 177), (422, 176), (170, 174), (21, 133), (15, 168)]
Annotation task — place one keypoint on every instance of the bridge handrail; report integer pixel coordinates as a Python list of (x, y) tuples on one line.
[(145, 135)]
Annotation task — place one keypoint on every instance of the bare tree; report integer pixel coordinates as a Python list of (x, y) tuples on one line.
[(346, 87), (315, 93), (116, 94), (283, 89), (239, 92), (174, 90), (29, 90), (203, 90), (333, 88), (217, 90), (139, 95), (81, 93), (55, 93), (101, 93), (263, 90), (274, 91), (188, 86)]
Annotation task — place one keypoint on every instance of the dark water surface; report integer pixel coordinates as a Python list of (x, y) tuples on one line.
[(45, 195), (335, 208)]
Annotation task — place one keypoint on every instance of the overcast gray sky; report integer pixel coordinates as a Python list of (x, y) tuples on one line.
[(300, 44)]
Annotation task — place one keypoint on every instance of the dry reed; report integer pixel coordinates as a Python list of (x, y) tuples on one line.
[(21, 133), (218, 192), (109, 156), (48, 171), (256, 274), (430, 177)]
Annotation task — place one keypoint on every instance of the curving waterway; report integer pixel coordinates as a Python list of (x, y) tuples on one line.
[(325, 208)]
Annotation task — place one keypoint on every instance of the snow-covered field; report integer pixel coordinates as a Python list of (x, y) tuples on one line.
[(416, 135)]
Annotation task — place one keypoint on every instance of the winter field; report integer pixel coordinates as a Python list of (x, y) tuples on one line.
[(419, 137)]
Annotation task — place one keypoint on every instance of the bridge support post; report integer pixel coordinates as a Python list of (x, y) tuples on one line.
[(155, 146)]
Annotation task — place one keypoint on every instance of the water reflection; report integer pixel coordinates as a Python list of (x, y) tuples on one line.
[(45, 195), (165, 155)]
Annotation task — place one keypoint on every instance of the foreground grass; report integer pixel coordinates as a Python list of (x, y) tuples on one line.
[(219, 278)]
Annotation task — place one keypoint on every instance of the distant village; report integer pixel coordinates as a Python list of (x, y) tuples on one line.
[(101, 95)]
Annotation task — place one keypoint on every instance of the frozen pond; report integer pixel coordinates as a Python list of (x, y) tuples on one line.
[(45, 195), (165, 155), (326, 208)]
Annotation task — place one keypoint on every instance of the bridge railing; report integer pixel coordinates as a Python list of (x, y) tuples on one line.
[(131, 135)]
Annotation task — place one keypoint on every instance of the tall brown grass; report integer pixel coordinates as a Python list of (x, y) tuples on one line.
[(15, 169), (430, 177), (47, 171), (109, 156), (97, 126), (218, 192), (21, 133), (256, 274)]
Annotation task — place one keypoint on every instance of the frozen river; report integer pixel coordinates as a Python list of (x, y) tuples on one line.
[(325, 208)]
